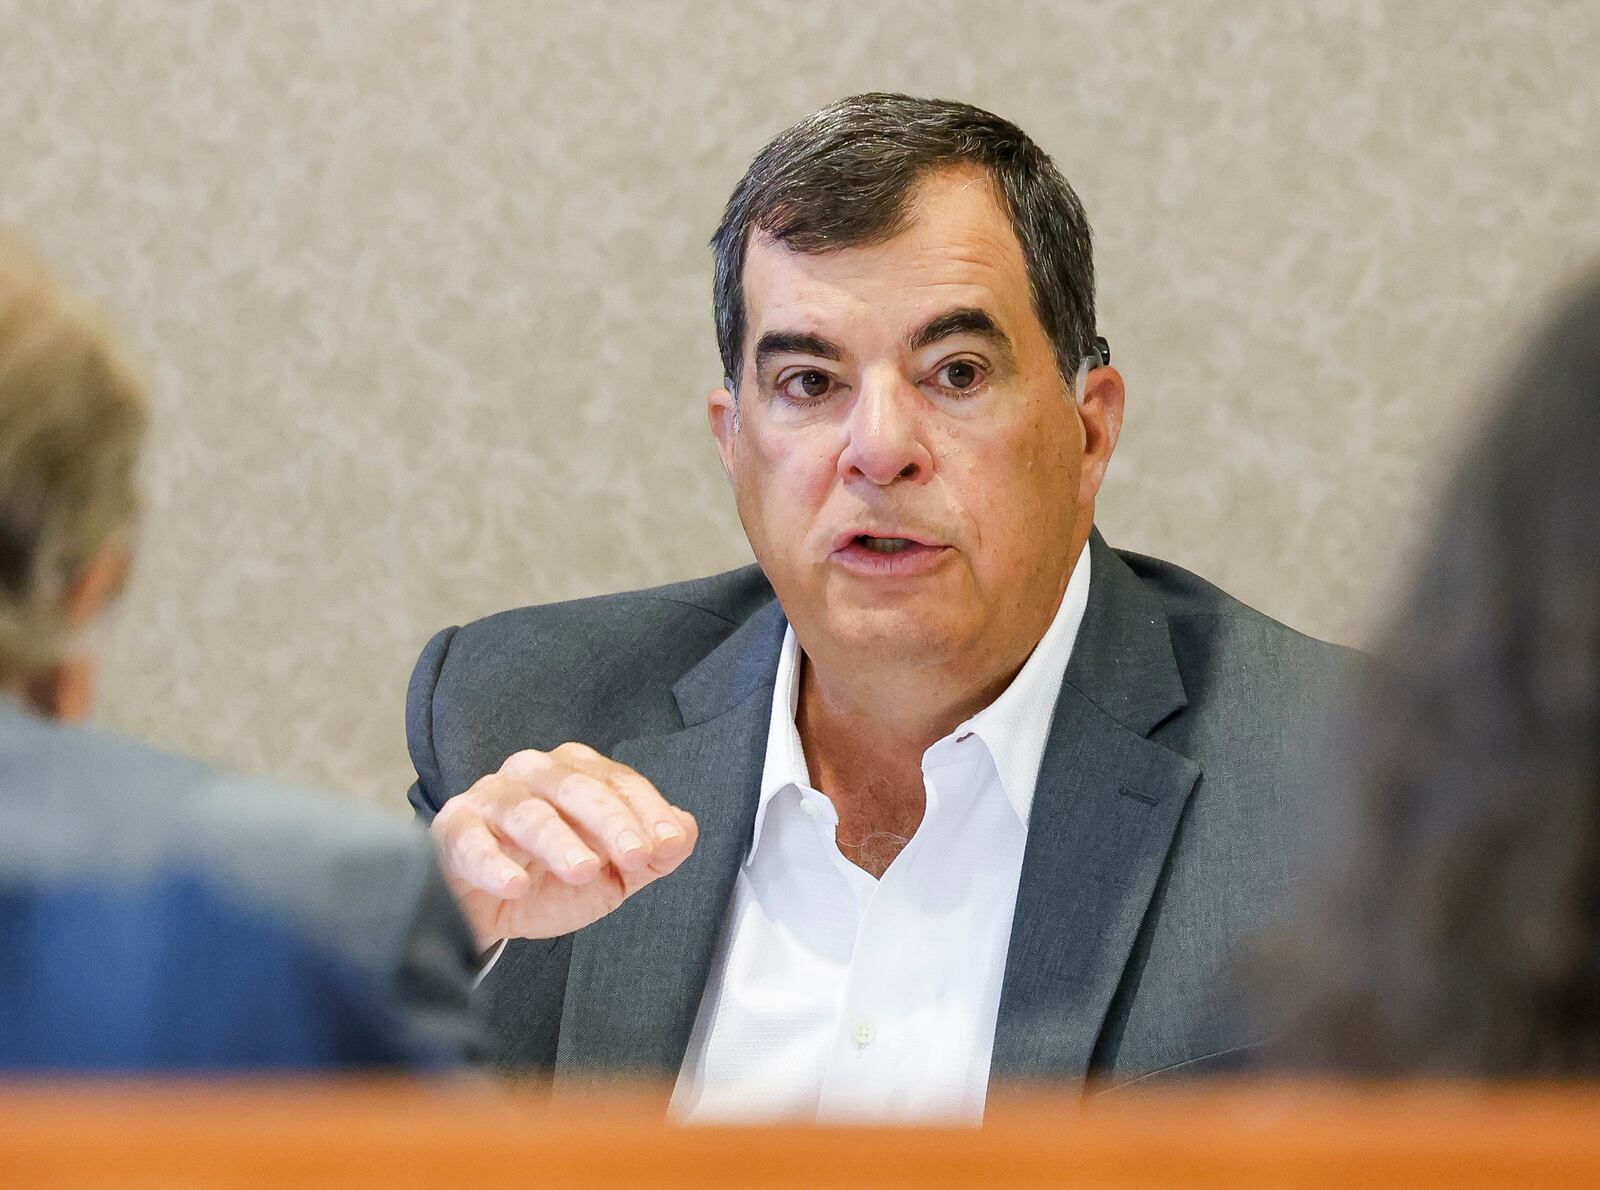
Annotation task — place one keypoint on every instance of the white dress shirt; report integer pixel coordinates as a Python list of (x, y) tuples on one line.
[(835, 995)]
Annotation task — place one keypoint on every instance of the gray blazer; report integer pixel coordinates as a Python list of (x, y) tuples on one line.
[(1162, 828), (91, 821)]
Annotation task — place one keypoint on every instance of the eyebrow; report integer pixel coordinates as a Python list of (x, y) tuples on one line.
[(968, 320), (776, 343)]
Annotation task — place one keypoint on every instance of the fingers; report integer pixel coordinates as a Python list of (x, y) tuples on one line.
[(604, 819), (534, 824), (667, 855), (663, 822), (552, 808), (671, 833), (482, 864), (570, 811), (619, 814), (471, 854), (490, 834)]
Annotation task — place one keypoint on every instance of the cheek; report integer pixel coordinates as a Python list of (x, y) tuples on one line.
[(1021, 494), (1053, 455), (780, 487)]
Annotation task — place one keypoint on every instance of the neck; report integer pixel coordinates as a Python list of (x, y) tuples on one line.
[(891, 711), (864, 733), (878, 716), (865, 723)]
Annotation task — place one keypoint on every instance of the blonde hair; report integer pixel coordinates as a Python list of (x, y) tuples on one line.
[(72, 419)]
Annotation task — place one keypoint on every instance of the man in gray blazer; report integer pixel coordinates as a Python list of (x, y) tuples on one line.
[(945, 790), (155, 914)]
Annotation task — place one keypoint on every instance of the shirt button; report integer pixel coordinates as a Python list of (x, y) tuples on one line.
[(809, 806), (863, 1034)]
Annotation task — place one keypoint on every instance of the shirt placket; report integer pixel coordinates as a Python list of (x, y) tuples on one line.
[(869, 1065)]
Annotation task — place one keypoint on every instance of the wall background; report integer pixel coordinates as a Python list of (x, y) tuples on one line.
[(423, 294)]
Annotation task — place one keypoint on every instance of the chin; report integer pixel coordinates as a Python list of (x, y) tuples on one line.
[(904, 634)]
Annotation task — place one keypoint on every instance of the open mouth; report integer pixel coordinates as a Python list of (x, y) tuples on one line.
[(885, 545), (870, 555)]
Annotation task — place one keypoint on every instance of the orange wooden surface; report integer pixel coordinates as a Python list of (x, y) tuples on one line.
[(398, 1135)]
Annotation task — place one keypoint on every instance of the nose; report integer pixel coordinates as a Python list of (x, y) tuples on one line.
[(886, 435)]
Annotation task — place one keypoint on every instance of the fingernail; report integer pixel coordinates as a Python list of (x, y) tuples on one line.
[(666, 832), (628, 843), (577, 857)]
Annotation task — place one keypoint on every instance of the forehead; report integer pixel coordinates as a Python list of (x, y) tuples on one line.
[(957, 249)]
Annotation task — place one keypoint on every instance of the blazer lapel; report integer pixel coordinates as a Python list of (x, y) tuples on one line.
[(637, 975), (1105, 812)]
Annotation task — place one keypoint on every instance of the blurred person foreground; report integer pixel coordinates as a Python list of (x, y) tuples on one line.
[(156, 915), (1450, 925)]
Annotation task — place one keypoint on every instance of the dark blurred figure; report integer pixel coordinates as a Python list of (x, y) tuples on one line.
[(156, 915), (1453, 928)]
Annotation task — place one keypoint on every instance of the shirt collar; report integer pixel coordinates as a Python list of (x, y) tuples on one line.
[(785, 764), (1014, 727)]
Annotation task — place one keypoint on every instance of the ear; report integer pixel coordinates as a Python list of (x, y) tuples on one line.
[(1100, 410), (66, 690), (96, 585), (721, 408)]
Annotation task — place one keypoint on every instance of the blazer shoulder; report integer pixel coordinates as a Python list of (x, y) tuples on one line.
[(729, 598), (583, 668), (1263, 700), (1206, 618)]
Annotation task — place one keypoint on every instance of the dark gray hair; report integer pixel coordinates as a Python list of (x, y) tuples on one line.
[(843, 176)]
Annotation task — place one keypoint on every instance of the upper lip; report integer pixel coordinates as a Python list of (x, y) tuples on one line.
[(845, 538)]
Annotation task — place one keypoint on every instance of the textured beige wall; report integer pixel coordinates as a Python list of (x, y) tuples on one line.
[(422, 289)]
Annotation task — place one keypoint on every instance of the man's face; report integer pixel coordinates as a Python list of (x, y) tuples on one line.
[(913, 477)]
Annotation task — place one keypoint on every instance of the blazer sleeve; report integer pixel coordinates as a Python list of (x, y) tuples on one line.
[(427, 794)]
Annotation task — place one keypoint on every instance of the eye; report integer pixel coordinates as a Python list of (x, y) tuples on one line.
[(805, 386), (960, 376)]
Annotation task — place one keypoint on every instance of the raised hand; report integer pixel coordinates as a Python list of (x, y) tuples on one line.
[(556, 840)]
